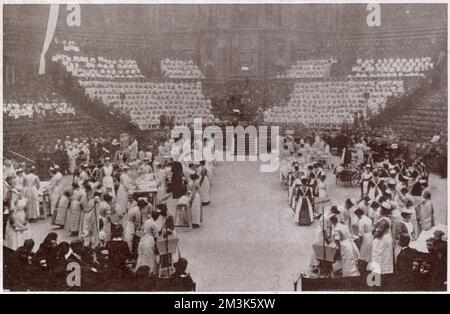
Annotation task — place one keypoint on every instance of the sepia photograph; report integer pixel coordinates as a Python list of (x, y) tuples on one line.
[(224, 147)]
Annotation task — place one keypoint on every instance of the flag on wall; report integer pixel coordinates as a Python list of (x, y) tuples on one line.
[(51, 27)]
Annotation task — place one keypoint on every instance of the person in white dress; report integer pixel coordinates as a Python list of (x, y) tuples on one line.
[(17, 227), (124, 187), (195, 202), (53, 189), (31, 188), (107, 179), (204, 187), (382, 249), (365, 236), (146, 248)]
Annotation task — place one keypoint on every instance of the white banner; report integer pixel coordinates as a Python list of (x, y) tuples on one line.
[(51, 27)]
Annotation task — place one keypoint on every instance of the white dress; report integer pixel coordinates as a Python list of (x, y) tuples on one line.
[(204, 189), (196, 206), (108, 181), (122, 192), (17, 230), (383, 254), (365, 233)]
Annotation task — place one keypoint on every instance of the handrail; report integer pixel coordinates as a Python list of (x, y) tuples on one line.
[(21, 156)]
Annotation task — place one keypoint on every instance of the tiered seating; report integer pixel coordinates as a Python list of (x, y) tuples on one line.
[(99, 67), (53, 107), (318, 68), (147, 101), (180, 69), (34, 115), (331, 102), (392, 67), (426, 118), (119, 84)]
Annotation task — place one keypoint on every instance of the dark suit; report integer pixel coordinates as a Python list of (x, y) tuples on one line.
[(405, 259)]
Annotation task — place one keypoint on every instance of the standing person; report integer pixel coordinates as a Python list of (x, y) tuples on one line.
[(17, 227), (204, 187), (365, 239), (106, 178), (364, 182), (74, 214), (348, 250), (124, 187), (31, 188), (382, 249), (425, 213), (322, 192), (133, 223), (405, 257), (71, 156), (303, 210), (195, 202), (146, 248), (376, 186), (89, 229), (53, 189), (62, 207)]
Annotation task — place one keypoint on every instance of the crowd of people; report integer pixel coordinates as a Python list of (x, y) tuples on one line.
[(312, 68), (116, 226), (329, 103), (147, 101), (392, 67), (99, 67), (388, 228), (180, 69), (31, 109), (142, 101)]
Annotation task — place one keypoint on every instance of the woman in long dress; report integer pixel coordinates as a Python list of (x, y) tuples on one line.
[(303, 210), (204, 187), (365, 236), (89, 227), (382, 249), (53, 189), (74, 213), (107, 179), (195, 202), (72, 159), (124, 187), (348, 250), (364, 182), (132, 224), (146, 248), (31, 188), (62, 207), (17, 227), (322, 192)]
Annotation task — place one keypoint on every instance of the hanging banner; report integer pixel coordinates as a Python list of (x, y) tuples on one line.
[(51, 27)]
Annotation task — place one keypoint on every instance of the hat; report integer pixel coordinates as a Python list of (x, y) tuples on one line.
[(115, 142), (391, 182), (407, 210), (56, 167), (392, 171), (386, 205), (125, 167), (368, 166), (107, 158), (19, 170)]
